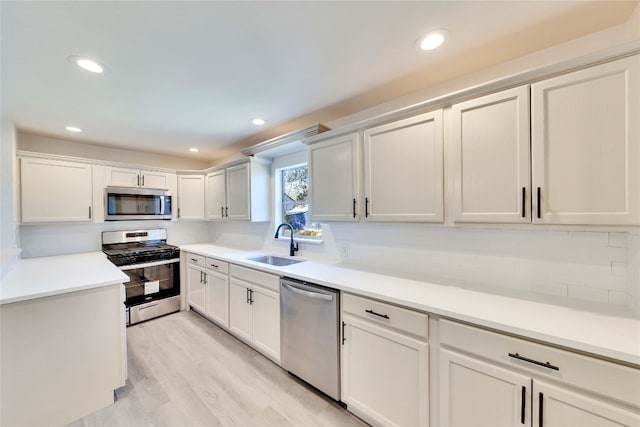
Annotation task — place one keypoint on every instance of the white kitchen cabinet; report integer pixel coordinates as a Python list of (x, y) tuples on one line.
[(55, 191), (208, 287), (385, 363), (191, 197), (476, 393), (217, 291), (586, 146), (333, 179), (254, 309), (216, 186), (196, 292), (403, 170), (490, 150), (490, 379), (240, 191), (555, 406), (127, 177)]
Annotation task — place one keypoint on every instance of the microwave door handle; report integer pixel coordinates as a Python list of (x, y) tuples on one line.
[(162, 205)]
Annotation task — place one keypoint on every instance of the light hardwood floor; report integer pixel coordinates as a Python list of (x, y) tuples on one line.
[(185, 371)]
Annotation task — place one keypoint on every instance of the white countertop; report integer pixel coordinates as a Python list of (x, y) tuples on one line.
[(42, 277), (603, 331)]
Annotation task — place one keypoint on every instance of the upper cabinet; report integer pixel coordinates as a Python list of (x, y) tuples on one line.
[(55, 191), (586, 146), (240, 191), (333, 179), (126, 177), (490, 155), (191, 197), (403, 170)]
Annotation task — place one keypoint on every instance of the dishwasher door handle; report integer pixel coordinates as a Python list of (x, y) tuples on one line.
[(313, 295)]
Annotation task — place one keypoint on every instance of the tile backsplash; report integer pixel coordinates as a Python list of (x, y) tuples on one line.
[(593, 266)]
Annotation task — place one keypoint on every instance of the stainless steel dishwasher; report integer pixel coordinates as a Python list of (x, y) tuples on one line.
[(309, 343)]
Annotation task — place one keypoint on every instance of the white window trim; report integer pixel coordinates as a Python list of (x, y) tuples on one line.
[(287, 162)]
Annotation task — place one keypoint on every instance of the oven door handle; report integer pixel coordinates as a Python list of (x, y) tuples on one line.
[(148, 264)]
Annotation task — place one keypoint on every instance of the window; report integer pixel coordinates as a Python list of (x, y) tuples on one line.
[(293, 205)]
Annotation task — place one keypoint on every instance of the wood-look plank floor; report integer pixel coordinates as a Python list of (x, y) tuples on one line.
[(185, 371)]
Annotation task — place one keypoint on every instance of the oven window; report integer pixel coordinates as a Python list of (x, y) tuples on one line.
[(151, 283), (133, 204)]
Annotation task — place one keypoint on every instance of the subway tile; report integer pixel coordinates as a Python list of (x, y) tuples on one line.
[(585, 238), (588, 294), (618, 268), (615, 283), (617, 240), (550, 288), (619, 298)]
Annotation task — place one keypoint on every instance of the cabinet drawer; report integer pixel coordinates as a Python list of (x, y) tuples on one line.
[(588, 373), (399, 318), (193, 259), (266, 280), (217, 265)]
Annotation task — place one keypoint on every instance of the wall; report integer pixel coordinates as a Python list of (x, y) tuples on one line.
[(7, 191), (633, 270), (45, 144), (59, 239)]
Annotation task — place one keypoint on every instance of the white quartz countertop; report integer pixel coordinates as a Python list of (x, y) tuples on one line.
[(606, 331), (42, 277)]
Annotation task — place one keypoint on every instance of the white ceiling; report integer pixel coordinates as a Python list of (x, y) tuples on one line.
[(192, 74)]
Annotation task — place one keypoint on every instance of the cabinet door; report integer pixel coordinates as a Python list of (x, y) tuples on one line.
[(586, 146), (384, 375), (191, 197), (238, 192), (491, 158), (217, 304), (558, 407), (479, 394), (216, 195), (160, 180), (53, 190), (123, 177), (197, 288), (240, 311), (333, 179), (403, 172), (266, 322)]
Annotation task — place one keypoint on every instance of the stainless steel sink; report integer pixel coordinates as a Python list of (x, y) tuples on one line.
[(275, 260)]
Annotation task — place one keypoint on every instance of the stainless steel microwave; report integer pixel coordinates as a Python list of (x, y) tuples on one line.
[(125, 204)]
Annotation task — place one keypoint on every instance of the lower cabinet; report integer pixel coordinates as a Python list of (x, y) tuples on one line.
[(489, 379), (385, 363), (208, 287), (254, 309)]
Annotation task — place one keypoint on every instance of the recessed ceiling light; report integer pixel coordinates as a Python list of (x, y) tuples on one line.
[(258, 121), (87, 64), (193, 150), (73, 129), (432, 40)]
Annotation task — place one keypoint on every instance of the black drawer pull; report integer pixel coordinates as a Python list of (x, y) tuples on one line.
[(354, 208), (384, 316), (366, 207), (540, 409), (523, 404), (535, 362), (524, 203), (539, 207)]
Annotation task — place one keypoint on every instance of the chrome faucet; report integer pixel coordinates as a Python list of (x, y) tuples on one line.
[(293, 247)]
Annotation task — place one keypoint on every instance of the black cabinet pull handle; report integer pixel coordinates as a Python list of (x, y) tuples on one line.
[(539, 208), (354, 208), (138, 180), (343, 337), (226, 211), (221, 211), (89, 212), (143, 180), (250, 296), (214, 266), (247, 295), (205, 278), (384, 316), (524, 402), (540, 409), (194, 260), (524, 194), (366, 207), (535, 362)]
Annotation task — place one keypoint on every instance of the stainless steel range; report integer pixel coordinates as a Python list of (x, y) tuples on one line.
[(153, 268)]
